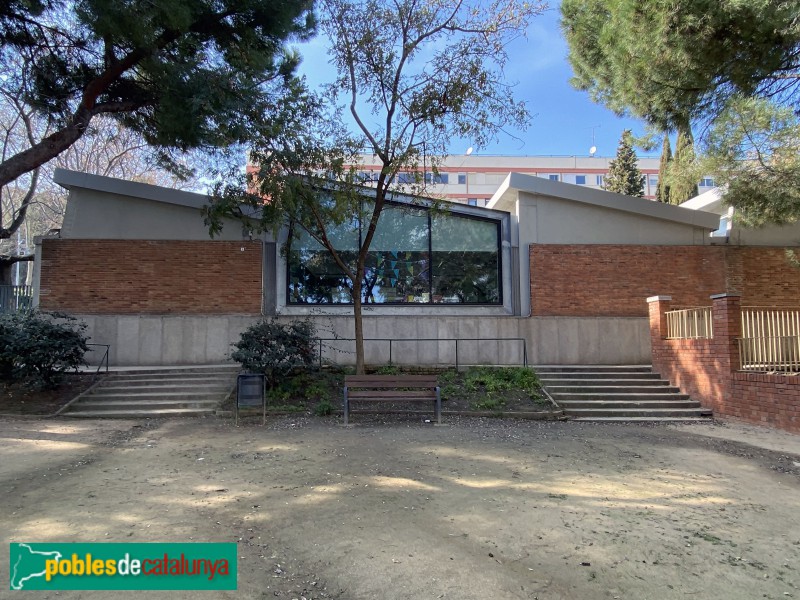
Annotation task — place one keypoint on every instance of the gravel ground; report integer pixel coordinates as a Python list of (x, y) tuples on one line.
[(395, 508)]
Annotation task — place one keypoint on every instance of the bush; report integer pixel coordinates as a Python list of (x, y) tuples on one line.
[(40, 347), (276, 349)]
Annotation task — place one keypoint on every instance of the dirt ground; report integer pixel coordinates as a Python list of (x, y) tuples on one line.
[(477, 509)]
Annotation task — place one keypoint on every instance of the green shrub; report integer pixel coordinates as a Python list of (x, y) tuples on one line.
[(324, 408), (276, 349), (40, 347)]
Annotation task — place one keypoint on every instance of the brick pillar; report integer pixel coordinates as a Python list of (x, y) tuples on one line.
[(658, 305), (727, 318)]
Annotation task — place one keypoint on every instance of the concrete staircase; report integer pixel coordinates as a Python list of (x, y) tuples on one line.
[(617, 393), (150, 393)]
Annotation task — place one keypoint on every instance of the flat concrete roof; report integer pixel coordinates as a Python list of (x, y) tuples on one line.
[(508, 192)]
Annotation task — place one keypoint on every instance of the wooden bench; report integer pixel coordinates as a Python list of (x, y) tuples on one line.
[(392, 388)]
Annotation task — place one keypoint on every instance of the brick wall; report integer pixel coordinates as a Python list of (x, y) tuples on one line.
[(151, 277), (762, 276), (707, 370), (611, 280)]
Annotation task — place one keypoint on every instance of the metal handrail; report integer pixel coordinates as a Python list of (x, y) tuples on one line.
[(777, 353), (690, 323), (102, 360), (456, 340)]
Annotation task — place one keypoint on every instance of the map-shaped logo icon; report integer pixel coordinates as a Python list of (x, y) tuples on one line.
[(27, 564)]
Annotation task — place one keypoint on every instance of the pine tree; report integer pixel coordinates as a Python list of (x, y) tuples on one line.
[(624, 176), (683, 170), (663, 189)]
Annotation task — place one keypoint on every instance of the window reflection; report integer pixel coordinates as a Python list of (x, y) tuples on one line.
[(416, 256)]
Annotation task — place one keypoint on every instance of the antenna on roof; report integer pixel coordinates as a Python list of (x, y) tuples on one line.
[(593, 149)]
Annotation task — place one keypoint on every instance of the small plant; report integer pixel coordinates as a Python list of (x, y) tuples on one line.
[(449, 391), (489, 403), (276, 349), (40, 347), (324, 408), (448, 376), (388, 370)]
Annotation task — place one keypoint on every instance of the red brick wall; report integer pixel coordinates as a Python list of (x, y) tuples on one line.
[(612, 280), (707, 371), (762, 276), (151, 277)]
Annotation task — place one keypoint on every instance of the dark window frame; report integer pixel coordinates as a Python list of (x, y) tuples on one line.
[(499, 229)]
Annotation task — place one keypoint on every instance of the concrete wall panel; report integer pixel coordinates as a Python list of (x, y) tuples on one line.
[(167, 340)]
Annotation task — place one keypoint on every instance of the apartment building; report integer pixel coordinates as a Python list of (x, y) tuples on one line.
[(473, 179)]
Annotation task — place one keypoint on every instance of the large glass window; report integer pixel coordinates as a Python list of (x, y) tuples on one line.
[(398, 263), (416, 256), (465, 260), (314, 276)]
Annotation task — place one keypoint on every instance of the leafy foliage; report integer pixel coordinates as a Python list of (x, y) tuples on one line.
[(683, 174), (40, 347), (276, 349), (754, 150), (182, 73), (672, 61), (413, 74), (676, 62), (662, 189), (624, 176)]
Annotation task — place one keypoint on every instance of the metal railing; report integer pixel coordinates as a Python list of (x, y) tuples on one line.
[(775, 353), (690, 323), (769, 322), (458, 353), (103, 359), (770, 340), (15, 297)]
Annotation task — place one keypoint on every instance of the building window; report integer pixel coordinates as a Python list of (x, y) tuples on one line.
[(553, 177), (598, 180), (472, 201), (462, 179), (443, 178), (416, 257), (580, 179), (405, 178), (707, 182), (495, 178), (652, 180)]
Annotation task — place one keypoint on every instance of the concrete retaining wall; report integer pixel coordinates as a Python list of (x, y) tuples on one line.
[(161, 340)]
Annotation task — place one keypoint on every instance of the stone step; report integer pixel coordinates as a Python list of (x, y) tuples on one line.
[(569, 405), (153, 376), (704, 419), (115, 405), (140, 414), (125, 388), (145, 395), (627, 413), (156, 392), (613, 389), (593, 368), (650, 382), (617, 396), (188, 369), (581, 375)]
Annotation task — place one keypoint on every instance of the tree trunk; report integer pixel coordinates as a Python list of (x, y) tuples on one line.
[(358, 326), (6, 265)]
